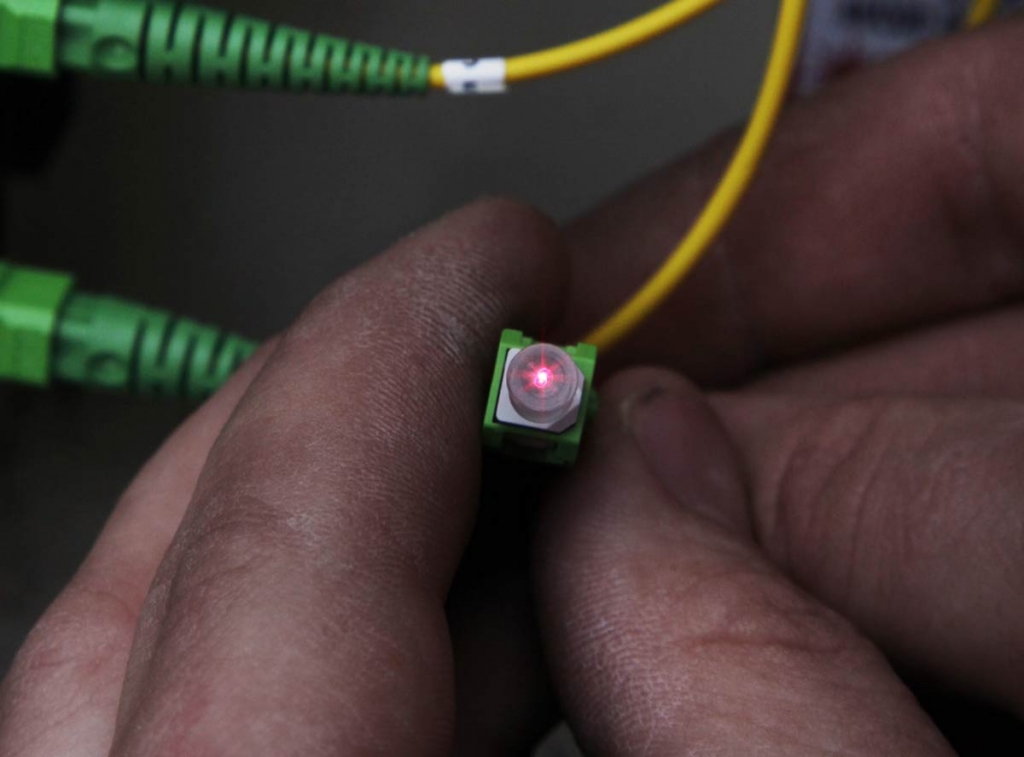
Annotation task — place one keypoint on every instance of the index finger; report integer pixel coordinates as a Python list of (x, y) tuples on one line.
[(300, 609), (892, 199)]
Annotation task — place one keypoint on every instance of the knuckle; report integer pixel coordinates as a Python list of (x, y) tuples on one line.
[(231, 538), (77, 634), (825, 485), (832, 507), (239, 544), (71, 652), (734, 601), (757, 611)]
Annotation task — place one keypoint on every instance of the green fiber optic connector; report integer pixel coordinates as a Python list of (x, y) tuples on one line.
[(541, 397), (50, 332), (28, 36), (182, 43), (30, 305)]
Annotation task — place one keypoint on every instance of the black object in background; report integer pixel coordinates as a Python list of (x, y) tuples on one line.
[(31, 121), (975, 729)]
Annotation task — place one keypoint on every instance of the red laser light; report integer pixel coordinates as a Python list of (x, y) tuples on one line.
[(543, 383)]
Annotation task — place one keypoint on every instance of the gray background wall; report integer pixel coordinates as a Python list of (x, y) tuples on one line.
[(236, 208)]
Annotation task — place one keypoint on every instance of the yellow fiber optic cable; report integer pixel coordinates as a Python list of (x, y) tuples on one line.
[(730, 191), (981, 12), (592, 49)]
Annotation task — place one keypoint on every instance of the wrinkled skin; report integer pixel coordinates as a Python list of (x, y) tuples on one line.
[(314, 565)]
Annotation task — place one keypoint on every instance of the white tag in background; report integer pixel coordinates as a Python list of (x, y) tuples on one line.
[(843, 35), (474, 76)]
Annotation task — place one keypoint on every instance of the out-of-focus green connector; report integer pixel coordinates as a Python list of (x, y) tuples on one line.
[(30, 306), (103, 37), (109, 343), (540, 400), (50, 332), (168, 42), (28, 36)]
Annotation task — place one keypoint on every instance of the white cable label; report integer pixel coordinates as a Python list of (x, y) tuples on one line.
[(474, 76)]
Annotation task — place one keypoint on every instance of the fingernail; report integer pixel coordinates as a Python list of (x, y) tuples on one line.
[(686, 450)]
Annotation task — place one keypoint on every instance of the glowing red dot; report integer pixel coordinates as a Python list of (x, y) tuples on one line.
[(543, 378)]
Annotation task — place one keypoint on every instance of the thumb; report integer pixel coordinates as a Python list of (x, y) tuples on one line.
[(664, 624)]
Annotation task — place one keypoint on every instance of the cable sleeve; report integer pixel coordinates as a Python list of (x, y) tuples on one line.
[(182, 43), (107, 343)]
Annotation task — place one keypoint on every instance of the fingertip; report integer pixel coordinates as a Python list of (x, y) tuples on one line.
[(452, 285), (657, 470), (659, 422), (504, 248), (525, 251), (625, 388), (510, 217)]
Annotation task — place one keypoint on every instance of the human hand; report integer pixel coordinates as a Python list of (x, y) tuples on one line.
[(275, 580), (721, 575), (301, 605)]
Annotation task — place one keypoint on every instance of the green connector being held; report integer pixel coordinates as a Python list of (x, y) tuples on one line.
[(540, 400), (50, 332)]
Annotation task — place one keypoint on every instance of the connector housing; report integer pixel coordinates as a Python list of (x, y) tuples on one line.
[(169, 42), (524, 439), (49, 332), (108, 343), (28, 36), (30, 304)]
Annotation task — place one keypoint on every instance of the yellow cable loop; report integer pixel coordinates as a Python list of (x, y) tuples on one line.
[(730, 191), (981, 12), (598, 47)]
